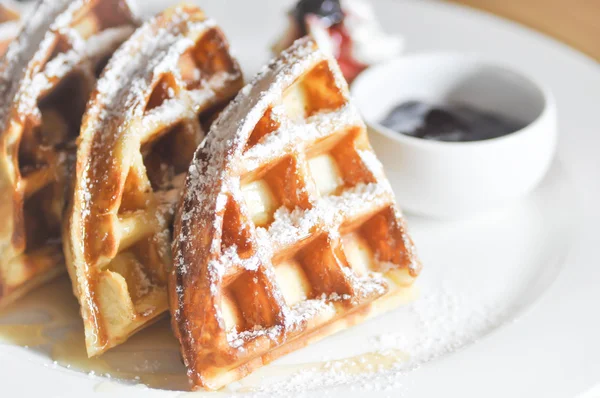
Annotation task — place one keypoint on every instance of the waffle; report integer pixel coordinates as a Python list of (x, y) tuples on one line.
[(139, 133), (287, 230), (46, 76)]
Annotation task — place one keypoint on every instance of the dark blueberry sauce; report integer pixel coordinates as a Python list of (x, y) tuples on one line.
[(328, 10), (451, 122)]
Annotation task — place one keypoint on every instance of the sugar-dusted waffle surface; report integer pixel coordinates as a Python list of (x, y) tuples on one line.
[(46, 77), (140, 130), (288, 229)]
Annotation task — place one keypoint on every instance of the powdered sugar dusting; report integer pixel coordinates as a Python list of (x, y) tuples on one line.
[(330, 212), (26, 52), (446, 320), (153, 82), (24, 73), (238, 340), (48, 49), (107, 41), (299, 136), (126, 84), (123, 89), (226, 141), (443, 320)]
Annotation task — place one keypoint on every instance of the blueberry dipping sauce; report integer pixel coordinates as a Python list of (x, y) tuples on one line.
[(449, 122)]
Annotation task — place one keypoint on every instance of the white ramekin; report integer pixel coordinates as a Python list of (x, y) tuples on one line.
[(459, 179)]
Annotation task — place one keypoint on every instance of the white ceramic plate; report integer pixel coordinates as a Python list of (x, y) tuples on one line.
[(506, 303)]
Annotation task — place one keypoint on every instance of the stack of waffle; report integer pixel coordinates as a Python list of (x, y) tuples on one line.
[(286, 230)]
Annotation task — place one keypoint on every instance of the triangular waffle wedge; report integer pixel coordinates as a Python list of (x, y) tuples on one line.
[(288, 230), (46, 76), (139, 133)]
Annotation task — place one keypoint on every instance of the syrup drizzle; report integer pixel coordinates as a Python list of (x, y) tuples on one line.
[(48, 322), (366, 363)]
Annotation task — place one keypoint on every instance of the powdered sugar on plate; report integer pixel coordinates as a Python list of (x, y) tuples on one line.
[(470, 287), (445, 320), (441, 321)]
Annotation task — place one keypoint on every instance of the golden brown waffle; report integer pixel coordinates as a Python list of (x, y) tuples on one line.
[(139, 133), (46, 76), (288, 230)]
